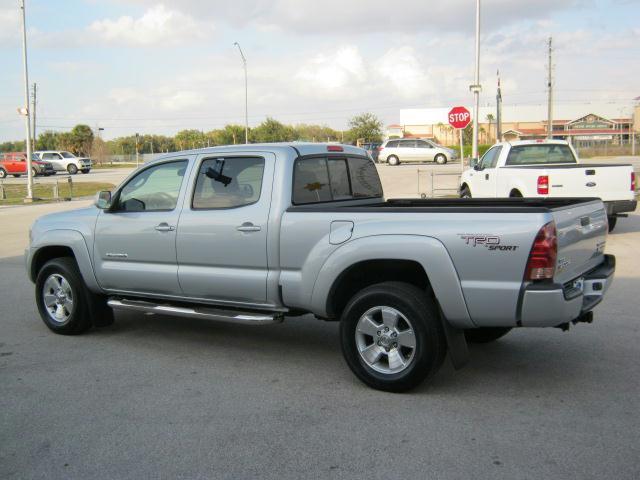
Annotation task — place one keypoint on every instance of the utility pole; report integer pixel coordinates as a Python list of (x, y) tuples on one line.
[(137, 154), (246, 96), (476, 88), (33, 113), (550, 92), (499, 111), (27, 117)]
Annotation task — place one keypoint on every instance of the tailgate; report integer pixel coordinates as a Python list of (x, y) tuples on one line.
[(605, 182), (582, 233)]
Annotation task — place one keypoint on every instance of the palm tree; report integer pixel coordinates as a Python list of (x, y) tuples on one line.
[(490, 119)]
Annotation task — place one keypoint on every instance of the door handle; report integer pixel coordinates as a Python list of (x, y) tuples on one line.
[(165, 227), (248, 227)]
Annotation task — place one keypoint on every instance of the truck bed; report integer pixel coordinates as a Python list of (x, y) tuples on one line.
[(450, 205)]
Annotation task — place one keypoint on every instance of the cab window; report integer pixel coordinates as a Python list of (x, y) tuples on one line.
[(490, 158), (154, 189), (228, 182)]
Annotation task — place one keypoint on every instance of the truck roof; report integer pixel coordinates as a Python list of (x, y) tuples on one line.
[(303, 148), (535, 142)]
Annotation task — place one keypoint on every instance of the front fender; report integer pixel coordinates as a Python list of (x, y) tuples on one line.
[(72, 239), (427, 251)]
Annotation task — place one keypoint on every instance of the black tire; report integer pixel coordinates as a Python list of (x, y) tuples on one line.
[(612, 223), (34, 172), (465, 193), (486, 334), (424, 318), (515, 194), (3, 173), (85, 170), (393, 160), (16, 175), (440, 159), (88, 308), (72, 169)]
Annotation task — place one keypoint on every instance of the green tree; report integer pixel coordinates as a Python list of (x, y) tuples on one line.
[(272, 130), (229, 135), (47, 140), (490, 119), (316, 133), (365, 126), (188, 139), (81, 139)]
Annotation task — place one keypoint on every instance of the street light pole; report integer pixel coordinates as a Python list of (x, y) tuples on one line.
[(27, 116), (476, 88), (246, 95)]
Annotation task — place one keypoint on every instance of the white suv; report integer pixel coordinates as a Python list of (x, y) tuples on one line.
[(65, 161), (402, 150)]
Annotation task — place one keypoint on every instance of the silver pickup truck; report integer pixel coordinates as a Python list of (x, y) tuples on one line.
[(255, 233)]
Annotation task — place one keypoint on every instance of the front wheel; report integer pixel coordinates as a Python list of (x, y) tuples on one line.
[(440, 159), (465, 193), (72, 169), (486, 334), (34, 172), (66, 305), (391, 336), (612, 222)]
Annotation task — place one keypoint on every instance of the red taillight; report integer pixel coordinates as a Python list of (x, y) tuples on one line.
[(633, 181), (543, 185), (334, 148), (542, 259)]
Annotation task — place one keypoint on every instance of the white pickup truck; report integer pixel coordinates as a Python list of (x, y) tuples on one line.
[(549, 168)]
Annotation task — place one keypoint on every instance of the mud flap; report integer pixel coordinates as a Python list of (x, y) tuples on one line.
[(457, 344)]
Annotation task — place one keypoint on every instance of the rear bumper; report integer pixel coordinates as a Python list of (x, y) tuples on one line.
[(553, 304), (620, 206)]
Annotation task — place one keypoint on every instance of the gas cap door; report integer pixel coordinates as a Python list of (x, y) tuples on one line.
[(341, 231)]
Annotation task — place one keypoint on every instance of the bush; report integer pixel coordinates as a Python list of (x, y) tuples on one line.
[(467, 149)]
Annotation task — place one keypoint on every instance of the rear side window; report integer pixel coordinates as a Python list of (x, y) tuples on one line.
[(318, 180), (228, 182), (540, 154), (392, 144)]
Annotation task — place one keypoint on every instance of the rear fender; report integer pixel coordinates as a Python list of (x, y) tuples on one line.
[(427, 251)]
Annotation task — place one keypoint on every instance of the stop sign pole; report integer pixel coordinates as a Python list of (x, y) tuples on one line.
[(459, 118)]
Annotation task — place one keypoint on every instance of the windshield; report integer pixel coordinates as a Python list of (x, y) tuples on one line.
[(67, 155), (540, 154)]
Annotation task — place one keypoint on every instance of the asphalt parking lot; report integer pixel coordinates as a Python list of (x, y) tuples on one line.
[(162, 397)]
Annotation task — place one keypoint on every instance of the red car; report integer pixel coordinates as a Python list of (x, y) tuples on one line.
[(15, 163)]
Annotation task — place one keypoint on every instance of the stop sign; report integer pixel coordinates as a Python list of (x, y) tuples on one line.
[(459, 117)]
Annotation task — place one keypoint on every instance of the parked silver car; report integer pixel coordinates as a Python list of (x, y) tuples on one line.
[(395, 152)]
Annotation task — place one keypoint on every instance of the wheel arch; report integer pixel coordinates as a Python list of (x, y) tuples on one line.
[(62, 243), (419, 260)]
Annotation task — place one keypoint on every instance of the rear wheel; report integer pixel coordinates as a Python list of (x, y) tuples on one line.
[(392, 337), (515, 194), (393, 160), (440, 159), (612, 222), (72, 169), (34, 172), (485, 335)]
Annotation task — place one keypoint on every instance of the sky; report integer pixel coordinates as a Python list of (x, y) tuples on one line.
[(149, 66)]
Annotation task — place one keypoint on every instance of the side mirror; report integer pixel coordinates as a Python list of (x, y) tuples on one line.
[(473, 163), (103, 200)]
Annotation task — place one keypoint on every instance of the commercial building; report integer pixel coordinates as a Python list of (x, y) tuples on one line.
[(584, 125)]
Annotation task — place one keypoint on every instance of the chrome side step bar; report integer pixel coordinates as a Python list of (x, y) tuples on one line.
[(230, 316)]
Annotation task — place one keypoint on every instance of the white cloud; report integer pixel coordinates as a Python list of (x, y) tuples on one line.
[(334, 71), (157, 26), (9, 26)]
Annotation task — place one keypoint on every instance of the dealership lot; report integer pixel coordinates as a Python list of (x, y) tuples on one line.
[(174, 397)]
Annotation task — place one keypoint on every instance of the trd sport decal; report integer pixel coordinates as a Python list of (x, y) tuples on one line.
[(490, 242)]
